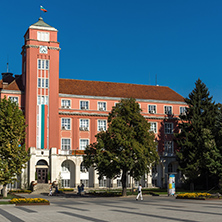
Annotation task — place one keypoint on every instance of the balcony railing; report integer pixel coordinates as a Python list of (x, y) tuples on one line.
[(71, 152)]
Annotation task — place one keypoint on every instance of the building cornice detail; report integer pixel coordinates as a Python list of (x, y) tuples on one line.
[(37, 46), (118, 98), (43, 28), (8, 91)]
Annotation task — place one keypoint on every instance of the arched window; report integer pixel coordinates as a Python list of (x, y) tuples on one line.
[(42, 163), (170, 168), (65, 167)]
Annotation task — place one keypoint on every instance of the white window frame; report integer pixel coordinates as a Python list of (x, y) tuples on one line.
[(66, 123), (43, 64), (43, 36), (152, 111), (13, 98), (166, 110), (83, 146), (84, 107), (184, 110), (101, 127), (168, 128), (153, 129), (66, 103), (169, 147), (101, 106), (84, 124), (65, 146)]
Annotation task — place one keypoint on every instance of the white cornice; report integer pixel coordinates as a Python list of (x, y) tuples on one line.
[(118, 98), (7, 91), (43, 28)]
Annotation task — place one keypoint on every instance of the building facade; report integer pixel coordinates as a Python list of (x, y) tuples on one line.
[(64, 115)]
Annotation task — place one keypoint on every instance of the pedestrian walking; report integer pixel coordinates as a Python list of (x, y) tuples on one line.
[(50, 191), (139, 192)]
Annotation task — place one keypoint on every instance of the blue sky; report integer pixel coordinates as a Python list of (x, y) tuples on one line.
[(130, 41)]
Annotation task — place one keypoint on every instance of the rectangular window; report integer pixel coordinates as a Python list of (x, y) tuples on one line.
[(13, 98), (102, 106), (83, 144), (42, 100), (168, 147), (43, 83), (84, 104), (43, 36), (182, 110), (152, 109), (43, 64), (103, 182), (39, 82), (66, 144), (66, 124), (153, 127), (168, 110), (84, 124), (168, 128), (46, 83), (101, 125), (65, 183), (66, 103)]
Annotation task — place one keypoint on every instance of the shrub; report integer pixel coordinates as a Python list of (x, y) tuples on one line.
[(194, 195), (28, 200), (20, 191), (66, 189)]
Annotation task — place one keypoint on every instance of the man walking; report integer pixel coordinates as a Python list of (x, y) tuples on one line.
[(139, 193)]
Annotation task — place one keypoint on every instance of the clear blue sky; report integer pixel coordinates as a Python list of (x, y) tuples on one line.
[(125, 41)]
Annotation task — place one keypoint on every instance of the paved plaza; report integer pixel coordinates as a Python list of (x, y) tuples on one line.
[(152, 208)]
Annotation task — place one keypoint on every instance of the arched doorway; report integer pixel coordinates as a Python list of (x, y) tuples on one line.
[(42, 171), (68, 173)]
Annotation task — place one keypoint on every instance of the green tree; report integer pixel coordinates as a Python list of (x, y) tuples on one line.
[(13, 155), (126, 147), (197, 148)]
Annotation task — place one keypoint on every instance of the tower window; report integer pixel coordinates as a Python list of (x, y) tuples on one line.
[(43, 36), (43, 64)]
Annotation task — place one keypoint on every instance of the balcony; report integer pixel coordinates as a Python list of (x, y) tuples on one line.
[(71, 152)]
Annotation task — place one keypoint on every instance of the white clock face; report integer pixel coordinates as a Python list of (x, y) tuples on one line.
[(43, 49)]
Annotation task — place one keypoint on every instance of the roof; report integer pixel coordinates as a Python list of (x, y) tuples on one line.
[(119, 90), (106, 89), (42, 25), (14, 83)]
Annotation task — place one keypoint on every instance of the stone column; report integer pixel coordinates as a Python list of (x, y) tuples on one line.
[(53, 164), (31, 165), (77, 170)]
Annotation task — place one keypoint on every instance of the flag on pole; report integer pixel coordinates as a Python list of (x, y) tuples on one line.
[(43, 9)]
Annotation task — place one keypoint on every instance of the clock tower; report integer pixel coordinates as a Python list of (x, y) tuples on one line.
[(40, 76)]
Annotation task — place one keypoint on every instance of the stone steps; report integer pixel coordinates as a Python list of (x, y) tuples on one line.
[(42, 188)]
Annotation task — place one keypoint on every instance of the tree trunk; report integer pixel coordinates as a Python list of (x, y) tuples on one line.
[(5, 191), (123, 180), (207, 182)]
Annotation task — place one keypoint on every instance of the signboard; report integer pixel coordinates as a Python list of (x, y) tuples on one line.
[(171, 188)]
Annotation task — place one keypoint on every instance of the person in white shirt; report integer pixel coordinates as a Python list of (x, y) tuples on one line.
[(139, 193)]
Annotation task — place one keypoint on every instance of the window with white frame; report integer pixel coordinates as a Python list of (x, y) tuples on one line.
[(66, 123), (84, 124), (42, 100), (66, 103), (153, 127), (101, 125), (168, 110), (102, 106), (168, 128), (103, 182), (43, 83), (43, 36), (168, 147), (43, 64), (83, 144), (152, 109), (65, 182), (84, 104), (66, 144), (13, 98), (182, 110)]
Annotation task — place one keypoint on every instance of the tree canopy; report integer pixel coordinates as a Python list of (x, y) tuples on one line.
[(13, 154), (198, 155), (125, 147)]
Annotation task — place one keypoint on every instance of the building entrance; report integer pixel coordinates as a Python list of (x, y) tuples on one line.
[(42, 175)]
